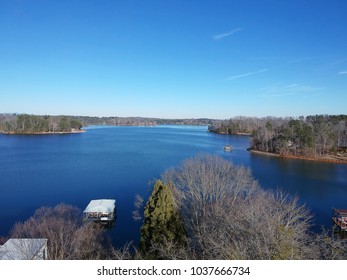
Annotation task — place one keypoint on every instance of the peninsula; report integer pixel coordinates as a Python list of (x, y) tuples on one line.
[(319, 137), (34, 124)]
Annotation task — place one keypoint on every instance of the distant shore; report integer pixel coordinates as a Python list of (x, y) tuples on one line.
[(73, 131), (327, 158), (237, 133)]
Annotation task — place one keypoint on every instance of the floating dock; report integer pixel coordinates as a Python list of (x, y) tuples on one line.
[(100, 210), (339, 220)]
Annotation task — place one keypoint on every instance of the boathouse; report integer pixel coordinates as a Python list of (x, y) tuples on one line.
[(339, 219), (100, 210)]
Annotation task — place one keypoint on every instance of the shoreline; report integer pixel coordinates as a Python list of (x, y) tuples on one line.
[(44, 133), (237, 134), (317, 159)]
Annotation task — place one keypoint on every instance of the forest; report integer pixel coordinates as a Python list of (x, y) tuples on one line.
[(313, 136), (138, 121), (31, 124), (34, 124)]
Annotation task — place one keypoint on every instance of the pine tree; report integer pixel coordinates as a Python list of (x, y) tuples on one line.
[(161, 221)]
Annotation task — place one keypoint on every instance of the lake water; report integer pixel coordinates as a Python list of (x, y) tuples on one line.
[(120, 162)]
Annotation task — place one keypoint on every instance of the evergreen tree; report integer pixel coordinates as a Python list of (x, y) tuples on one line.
[(161, 221)]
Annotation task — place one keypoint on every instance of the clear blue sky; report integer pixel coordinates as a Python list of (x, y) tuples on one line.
[(173, 58)]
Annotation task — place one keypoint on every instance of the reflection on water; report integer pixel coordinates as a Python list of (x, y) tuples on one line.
[(320, 186)]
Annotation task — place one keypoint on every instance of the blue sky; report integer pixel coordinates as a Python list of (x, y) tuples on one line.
[(173, 58)]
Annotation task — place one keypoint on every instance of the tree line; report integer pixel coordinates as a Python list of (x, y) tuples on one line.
[(25, 123), (31, 124), (138, 121), (313, 136), (241, 125), (206, 208)]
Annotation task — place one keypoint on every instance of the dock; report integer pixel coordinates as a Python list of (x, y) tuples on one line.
[(339, 220), (100, 210)]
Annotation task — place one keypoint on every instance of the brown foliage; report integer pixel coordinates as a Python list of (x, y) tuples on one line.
[(228, 216), (68, 237)]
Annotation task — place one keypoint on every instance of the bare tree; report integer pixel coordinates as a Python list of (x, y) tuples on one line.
[(89, 243), (68, 237), (138, 204), (127, 252), (274, 226), (228, 216), (170, 249), (326, 246)]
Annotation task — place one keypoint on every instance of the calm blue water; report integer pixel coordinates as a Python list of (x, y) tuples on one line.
[(120, 162)]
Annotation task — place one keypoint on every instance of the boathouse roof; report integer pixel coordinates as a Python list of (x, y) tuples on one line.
[(24, 249), (100, 206)]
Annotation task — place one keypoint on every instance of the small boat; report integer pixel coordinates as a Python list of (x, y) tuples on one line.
[(228, 148)]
